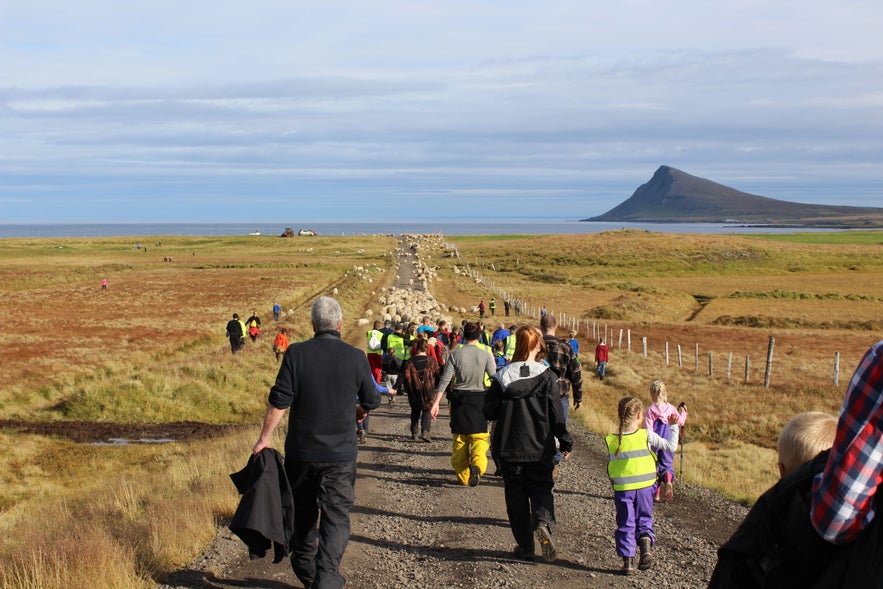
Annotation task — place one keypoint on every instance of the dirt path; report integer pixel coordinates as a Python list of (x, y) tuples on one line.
[(414, 526)]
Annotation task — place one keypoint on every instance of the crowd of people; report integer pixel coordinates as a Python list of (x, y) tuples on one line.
[(509, 390)]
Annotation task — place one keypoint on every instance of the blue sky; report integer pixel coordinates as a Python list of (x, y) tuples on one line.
[(298, 111)]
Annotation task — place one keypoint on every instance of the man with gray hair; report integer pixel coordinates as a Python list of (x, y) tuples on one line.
[(328, 385)]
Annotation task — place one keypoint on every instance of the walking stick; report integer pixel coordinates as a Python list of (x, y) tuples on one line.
[(683, 438)]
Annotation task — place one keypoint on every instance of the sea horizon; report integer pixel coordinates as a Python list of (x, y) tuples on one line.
[(521, 226)]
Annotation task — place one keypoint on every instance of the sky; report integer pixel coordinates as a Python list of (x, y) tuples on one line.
[(228, 111)]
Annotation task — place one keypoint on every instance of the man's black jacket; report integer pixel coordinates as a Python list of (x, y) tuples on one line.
[(265, 515)]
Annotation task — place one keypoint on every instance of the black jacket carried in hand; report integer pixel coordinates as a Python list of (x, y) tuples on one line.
[(265, 515)]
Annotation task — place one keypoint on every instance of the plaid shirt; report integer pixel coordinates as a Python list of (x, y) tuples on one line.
[(843, 495), (565, 365)]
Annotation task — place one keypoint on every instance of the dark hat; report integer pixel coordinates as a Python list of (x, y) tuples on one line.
[(471, 331), (387, 322), (400, 326)]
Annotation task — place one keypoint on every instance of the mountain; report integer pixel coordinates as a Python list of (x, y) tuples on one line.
[(673, 196)]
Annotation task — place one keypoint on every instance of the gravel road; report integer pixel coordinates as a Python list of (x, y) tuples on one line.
[(414, 527)]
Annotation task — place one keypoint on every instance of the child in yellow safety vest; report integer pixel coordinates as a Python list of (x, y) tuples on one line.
[(632, 469)]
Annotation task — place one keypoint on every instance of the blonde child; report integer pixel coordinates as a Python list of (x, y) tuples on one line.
[(656, 420), (803, 437), (766, 548), (631, 467)]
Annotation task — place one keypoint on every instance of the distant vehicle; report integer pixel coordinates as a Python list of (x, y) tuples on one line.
[(307, 232), (255, 233)]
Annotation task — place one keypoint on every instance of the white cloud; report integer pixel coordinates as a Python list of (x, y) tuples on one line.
[(504, 100)]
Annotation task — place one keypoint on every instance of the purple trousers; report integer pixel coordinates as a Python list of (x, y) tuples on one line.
[(665, 470), (634, 518)]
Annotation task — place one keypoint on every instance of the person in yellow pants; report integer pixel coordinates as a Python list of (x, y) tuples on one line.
[(469, 450), (467, 371)]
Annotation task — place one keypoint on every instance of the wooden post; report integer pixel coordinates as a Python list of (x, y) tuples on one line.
[(697, 357), (769, 362), (620, 339), (729, 365), (628, 340), (747, 367), (836, 368), (644, 346), (680, 357), (666, 353), (710, 363)]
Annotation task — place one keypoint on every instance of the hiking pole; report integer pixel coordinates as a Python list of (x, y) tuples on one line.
[(683, 438)]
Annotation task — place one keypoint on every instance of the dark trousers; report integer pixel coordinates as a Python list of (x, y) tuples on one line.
[(528, 492), (420, 416), (318, 543)]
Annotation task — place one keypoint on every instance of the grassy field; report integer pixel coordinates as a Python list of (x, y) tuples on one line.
[(151, 349)]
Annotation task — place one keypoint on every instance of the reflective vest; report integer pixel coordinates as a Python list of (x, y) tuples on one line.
[(635, 465), (510, 347), (395, 345), (489, 350), (368, 350)]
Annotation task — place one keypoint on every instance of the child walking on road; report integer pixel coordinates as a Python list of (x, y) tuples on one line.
[(631, 467), (656, 420)]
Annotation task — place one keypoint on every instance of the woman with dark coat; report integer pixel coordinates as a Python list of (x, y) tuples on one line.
[(524, 402), (418, 377)]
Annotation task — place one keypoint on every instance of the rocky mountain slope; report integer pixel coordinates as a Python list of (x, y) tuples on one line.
[(673, 196)]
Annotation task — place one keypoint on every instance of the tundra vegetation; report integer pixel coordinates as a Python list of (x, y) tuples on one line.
[(151, 350)]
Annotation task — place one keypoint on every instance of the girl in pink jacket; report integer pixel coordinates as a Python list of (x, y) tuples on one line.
[(656, 420)]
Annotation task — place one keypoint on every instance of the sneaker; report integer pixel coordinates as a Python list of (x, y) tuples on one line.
[(657, 496), (628, 565), (426, 437), (544, 537), (474, 476), (646, 560), (522, 553), (669, 491), (363, 435)]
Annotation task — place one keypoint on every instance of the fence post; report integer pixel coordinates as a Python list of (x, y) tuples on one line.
[(836, 368), (666, 353), (680, 357), (747, 367), (644, 346), (697, 357), (710, 363), (769, 362), (620, 339), (729, 365), (628, 340)]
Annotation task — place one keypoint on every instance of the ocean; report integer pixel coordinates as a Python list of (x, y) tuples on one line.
[(445, 227)]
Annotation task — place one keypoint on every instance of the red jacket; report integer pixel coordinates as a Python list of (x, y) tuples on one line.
[(601, 353)]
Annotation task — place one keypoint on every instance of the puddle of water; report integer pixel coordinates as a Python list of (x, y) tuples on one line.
[(126, 442)]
